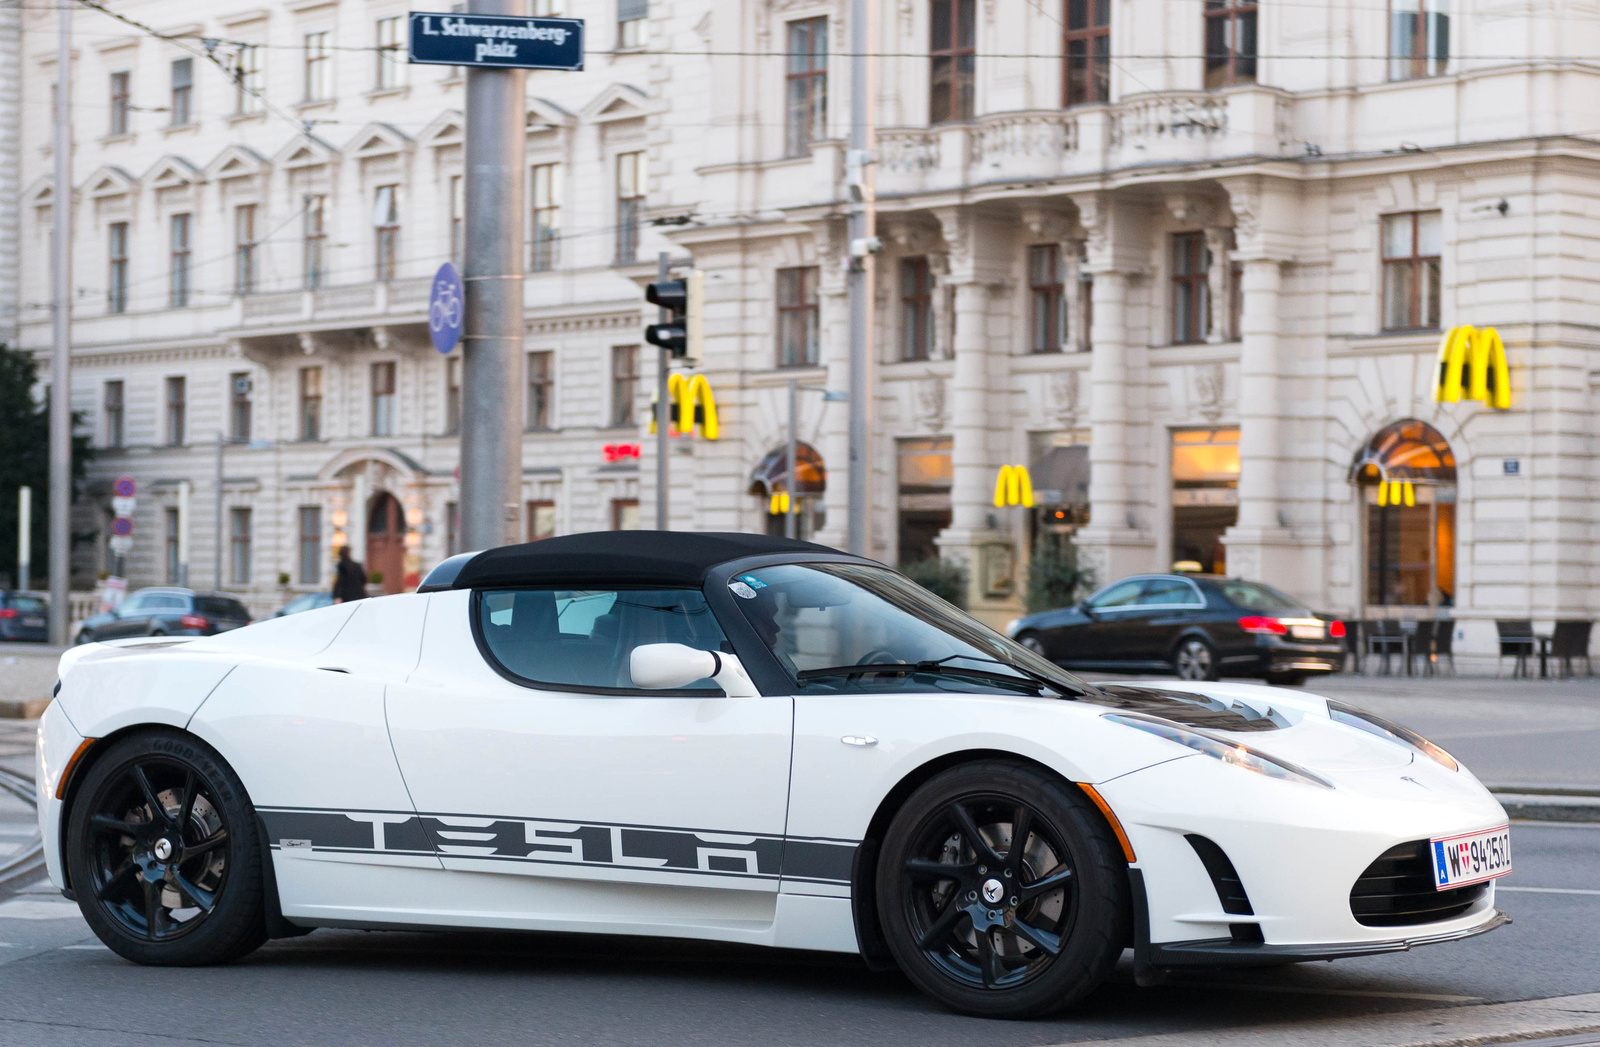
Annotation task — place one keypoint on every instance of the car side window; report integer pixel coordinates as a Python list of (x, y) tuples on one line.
[(582, 639), (135, 604), (166, 603), (1123, 594), (1169, 592)]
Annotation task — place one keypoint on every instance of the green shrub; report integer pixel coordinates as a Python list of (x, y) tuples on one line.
[(942, 578), (1055, 578)]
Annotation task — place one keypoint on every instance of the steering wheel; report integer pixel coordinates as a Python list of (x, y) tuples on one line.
[(879, 656)]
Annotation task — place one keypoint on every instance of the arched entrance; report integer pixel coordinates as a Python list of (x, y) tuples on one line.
[(1407, 477), (771, 478), (386, 541)]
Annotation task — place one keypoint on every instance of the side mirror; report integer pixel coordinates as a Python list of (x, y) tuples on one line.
[(664, 666)]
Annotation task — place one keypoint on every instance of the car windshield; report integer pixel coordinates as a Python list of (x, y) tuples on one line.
[(1253, 596), (850, 628)]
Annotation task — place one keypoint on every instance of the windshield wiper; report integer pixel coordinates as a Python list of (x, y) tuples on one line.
[(1068, 692), (1028, 682)]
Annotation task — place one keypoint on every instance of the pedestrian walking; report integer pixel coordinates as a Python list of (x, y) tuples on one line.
[(349, 578)]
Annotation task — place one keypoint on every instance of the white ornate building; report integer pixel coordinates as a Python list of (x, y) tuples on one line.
[(1188, 262)]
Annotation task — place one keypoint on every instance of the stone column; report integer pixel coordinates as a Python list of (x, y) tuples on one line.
[(1259, 403)]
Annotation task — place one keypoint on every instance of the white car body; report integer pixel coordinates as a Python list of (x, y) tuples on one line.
[(404, 782)]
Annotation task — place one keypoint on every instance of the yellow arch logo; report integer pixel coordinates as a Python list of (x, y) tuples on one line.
[(778, 505), (692, 404), (1396, 492), (1472, 362), (1013, 486)]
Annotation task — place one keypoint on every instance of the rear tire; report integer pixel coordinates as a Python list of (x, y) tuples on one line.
[(1034, 643), (164, 854), (992, 929), (1195, 660)]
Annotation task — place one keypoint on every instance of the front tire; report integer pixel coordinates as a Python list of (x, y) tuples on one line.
[(990, 926), (1195, 660), (163, 853), (1033, 642)]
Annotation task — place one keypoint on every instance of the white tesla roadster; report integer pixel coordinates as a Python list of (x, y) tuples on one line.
[(748, 739)]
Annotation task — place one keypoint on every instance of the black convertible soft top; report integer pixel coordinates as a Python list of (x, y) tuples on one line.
[(602, 558)]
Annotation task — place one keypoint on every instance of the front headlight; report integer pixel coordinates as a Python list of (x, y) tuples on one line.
[(1362, 720), (1229, 752)]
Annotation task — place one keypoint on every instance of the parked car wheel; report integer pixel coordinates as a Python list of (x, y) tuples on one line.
[(1002, 891), (84, 636), (1195, 660), (1032, 642), (163, 853)]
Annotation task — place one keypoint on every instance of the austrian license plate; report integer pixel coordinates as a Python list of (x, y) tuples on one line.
[(33, 623), (1471, 857)]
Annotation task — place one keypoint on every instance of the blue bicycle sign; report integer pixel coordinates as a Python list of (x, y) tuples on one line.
[(444, 308)]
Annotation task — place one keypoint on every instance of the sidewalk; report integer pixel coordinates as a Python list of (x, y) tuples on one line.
[(27, 674)]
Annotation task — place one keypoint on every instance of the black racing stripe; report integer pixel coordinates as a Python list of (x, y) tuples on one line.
[(809, 860)]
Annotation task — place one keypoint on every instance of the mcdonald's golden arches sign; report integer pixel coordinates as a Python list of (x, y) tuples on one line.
[(1472, 363)]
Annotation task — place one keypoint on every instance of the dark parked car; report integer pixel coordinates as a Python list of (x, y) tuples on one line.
[(166, 612), (305, 602), (23, 617), (1197, 626)]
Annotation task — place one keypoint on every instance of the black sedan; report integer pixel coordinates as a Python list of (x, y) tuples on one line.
[(166, 612), (23, 617), (1197, 626)]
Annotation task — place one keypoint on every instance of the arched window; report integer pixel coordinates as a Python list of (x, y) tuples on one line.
[(771, 478), (1407, 476)]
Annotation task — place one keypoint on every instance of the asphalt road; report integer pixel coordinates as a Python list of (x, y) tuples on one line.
[(61, 987)]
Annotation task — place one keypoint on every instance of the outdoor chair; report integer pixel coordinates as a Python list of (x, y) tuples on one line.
[(1517, 641), (1444, 646), (1570, 642), (1354, 646), (1385, 637)]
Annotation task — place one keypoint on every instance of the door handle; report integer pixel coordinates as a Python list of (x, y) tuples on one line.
[(860, 740)]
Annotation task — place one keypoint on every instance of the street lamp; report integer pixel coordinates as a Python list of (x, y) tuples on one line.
[(791, 522), (222, 442)]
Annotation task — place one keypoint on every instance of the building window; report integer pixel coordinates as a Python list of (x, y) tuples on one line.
[(177, 410), (310, 544), (178, 267), (383, 399), (547, 8), (1047, 300), (247, 98), (1235, 300), (117, 267), (391, 65), (1191, 288), (239, 544), (630, 201), (174, 567), (1411, 270), (807, 85), (310, 403), (314, 240), (546, 237), (113, 413), (541, 388), (239, 405), (631, 15), (798, 317), (458, 219), (181, 109), (541, 520), (452, 528), (953, 51), (244, 249), (386, 231), (121, 102), (1205, 497), (624, 383), (1230, 42), (1086, 43), (1419, 38), (319, 67), (916, 309), (624, 514), (452, 395)]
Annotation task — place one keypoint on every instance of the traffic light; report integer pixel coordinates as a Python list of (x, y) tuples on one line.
[(685, 300)]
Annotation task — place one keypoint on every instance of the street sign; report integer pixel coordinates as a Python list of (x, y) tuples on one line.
[(444, 308), (497, 40), (124, 487), (121, 527)]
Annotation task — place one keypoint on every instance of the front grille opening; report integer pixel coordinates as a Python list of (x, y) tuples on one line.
[(1397, 890), (1230, 889)]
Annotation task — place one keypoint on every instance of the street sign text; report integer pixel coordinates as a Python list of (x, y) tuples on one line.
[(495, 40)]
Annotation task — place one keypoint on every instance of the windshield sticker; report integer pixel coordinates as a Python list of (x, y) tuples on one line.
[(742, 590), (752, 581)]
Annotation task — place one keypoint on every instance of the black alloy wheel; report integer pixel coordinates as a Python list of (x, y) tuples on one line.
[(1195, 660), (163, 855), (1002, 891)]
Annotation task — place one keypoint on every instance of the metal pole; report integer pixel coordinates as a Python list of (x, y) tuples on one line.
[(492, 326), (24, 535), (183, 533), (60, 494), (663, 411), (860, 290), (791, 523), (216, 567)]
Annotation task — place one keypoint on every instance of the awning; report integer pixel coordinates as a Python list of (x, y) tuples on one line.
[(1061, 476), (773, 472)]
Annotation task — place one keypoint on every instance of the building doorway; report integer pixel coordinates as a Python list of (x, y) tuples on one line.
[(386, 542), (926, 475), (1407, 477), (770, 480), (1205, 497)]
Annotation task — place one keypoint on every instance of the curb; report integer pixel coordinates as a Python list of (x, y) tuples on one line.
[(1549, 803)]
